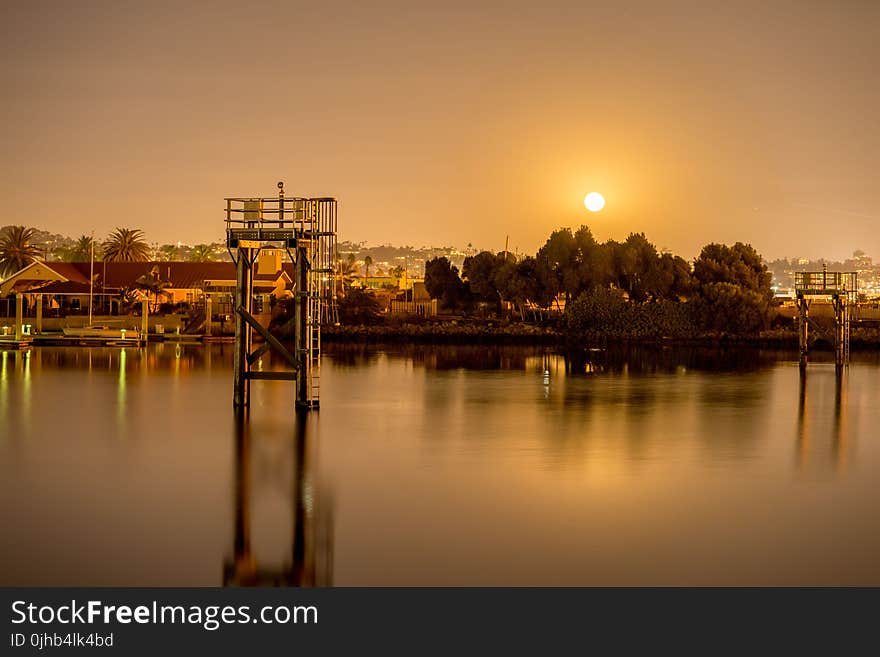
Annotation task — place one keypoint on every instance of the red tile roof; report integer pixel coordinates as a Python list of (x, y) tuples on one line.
[(69, 270), (183, 275), (66, 287)]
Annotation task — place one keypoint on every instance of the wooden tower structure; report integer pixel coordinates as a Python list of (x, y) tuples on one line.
[(842, 288), (305, 229)]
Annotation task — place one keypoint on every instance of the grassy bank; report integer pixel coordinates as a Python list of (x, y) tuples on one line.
[(500, 332), (448, 332)]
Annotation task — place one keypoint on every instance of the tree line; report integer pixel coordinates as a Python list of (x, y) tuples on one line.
[(623, 288), (18, 249)]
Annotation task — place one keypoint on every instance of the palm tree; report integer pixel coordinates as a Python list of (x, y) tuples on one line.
[(201, 253), (153, 283), (16, 250), (368, 262), (127, 300), (168, 253), (81, 251), (345, 271), (126, 245)]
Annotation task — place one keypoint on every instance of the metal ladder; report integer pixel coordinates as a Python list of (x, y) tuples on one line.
[(313, 321), (314, 342)]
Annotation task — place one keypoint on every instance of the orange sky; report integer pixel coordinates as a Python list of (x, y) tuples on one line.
[(450, 124)]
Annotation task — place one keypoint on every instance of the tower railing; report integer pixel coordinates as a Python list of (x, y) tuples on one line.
[(826, 283), (306, 229)]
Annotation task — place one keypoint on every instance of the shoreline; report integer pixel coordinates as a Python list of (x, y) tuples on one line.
[(498, 333), (493, 333)]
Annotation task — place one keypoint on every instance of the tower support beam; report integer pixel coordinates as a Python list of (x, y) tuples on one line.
[(304, 228), (241, 395)]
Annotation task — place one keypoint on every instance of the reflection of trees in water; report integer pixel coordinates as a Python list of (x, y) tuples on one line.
[(436, 357), (347, 356), (656, 397), (633, 359), (311, 545), (621, 390), (612, 359), (729, 407), (630, 414), (735, 410), (452, 357)]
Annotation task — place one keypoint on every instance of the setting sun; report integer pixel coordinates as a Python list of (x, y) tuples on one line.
[(594, 201)]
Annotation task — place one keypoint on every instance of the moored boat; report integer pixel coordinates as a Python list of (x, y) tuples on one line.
[(100, 332)]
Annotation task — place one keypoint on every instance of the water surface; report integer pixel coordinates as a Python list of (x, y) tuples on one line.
[(455, 465)]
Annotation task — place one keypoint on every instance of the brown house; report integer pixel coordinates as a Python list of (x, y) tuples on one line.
[(65, 285)]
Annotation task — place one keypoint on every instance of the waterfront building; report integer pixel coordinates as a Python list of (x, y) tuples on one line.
[(63, 289)]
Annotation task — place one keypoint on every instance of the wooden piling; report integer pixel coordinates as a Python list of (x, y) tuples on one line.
[(208, 315), (19, 317), (243, 288), (803, 331), (301, 319), (145, 321)]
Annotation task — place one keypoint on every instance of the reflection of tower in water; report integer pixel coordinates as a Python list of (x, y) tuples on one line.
[(311, 555), (839, 431)]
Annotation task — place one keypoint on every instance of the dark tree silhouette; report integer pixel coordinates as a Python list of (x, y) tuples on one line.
[(126, 245), (16, 249)]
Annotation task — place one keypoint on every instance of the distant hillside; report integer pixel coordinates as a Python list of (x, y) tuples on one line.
[(384, 257), (411, 258), (46, 241)]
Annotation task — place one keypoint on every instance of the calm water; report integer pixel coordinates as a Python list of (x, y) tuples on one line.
[(439, 466)]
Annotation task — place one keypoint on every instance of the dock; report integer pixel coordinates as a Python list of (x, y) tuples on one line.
[(10, 342), (60, 340)]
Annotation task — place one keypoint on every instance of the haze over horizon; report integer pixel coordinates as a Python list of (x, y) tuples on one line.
[(699, 122)]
